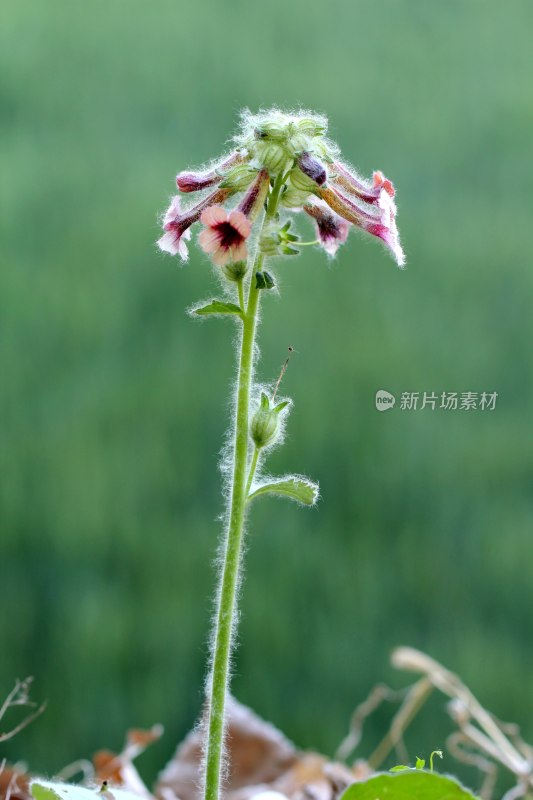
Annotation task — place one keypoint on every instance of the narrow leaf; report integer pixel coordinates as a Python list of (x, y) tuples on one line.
[(408, 785), (217, 307), (299, 489)]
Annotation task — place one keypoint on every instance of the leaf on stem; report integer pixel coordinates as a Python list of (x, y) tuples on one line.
[(299, 489), (408, 786), (217, 308)]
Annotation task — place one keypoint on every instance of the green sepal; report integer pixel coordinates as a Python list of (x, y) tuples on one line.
[(265, 402), (264, 280), (410, 784), (281, 406), (217, 308), (299, 489), (290, 251)]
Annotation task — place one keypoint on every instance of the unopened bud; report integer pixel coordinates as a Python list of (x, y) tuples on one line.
[(271, 156), (312, 126), (235, 271), (265, 425), (294, 198), (309, 173), (275, 130), (298, 143), (239, 178)]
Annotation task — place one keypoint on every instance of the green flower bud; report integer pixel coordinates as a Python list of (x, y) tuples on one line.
[(298, 143), (312, 126), (239, 178), (301, 181), (275, 130), (271, 156), (265, 425), (235, 271), (294, 198)]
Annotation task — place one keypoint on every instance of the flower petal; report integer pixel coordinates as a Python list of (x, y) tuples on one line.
[(171, 243), (221, 256), (239, 253), (390, 238), (240, 223), (213, 216), (208, 240)]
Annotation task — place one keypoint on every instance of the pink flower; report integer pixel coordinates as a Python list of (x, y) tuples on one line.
[(377, 217), (176, 223), (331, 229), (355, 185), (225, 234)]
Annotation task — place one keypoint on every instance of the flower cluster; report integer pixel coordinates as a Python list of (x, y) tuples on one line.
[(293, 148)]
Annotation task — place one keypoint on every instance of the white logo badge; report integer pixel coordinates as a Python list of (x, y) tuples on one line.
[(384, 400)]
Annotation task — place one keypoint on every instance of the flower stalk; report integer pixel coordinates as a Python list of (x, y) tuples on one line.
[(284, 164), (229, 584)]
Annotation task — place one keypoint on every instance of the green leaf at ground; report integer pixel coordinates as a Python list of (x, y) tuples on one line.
[(217, 307), (299, 489), (50, 790), (413, 785)]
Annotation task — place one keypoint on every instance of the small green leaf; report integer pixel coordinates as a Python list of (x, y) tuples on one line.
[(433, 754), (290, 251), (43, 792), (399, 768), (281, 406), (287, 225), (420, 763), (408, 785), (217, 307), (299, 489), (48, 790)]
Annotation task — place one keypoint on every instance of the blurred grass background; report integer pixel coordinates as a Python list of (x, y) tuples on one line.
[(114, 403)]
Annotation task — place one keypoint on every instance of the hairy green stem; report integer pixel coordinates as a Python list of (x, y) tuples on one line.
[(251, 473), (229, 582)]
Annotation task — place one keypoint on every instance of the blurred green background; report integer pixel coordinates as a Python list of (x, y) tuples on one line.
[(114, 403)]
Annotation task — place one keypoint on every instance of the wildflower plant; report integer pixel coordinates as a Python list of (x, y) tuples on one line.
[(281, 165)]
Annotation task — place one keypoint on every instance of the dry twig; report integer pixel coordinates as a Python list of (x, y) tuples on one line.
[(20, 696)]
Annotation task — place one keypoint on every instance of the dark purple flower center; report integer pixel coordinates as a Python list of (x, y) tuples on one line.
[(228, 236), (328, 227)]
